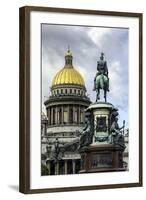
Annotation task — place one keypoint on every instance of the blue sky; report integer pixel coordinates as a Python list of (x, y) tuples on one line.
[(86, 44)]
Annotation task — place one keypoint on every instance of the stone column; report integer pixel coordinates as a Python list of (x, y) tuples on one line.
[(57, 168), (62, 112), (68, 115), (51, 111), (73, 114), (45, 129), (49, 166), (79, 116), (74, 166), (56, 122), (65, 166), (52, 115), (57, 115), (49, 116)]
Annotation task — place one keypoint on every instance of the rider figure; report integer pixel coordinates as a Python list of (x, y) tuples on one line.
[(101, 70)]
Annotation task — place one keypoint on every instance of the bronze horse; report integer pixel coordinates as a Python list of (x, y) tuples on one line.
[(101, 80)]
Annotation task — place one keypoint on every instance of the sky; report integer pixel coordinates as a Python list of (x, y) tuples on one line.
[(86, 45)]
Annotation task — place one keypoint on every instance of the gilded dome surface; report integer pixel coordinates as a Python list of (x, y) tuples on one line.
[(68, 75)]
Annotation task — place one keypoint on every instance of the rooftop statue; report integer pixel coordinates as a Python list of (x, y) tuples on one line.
[(101, 80)]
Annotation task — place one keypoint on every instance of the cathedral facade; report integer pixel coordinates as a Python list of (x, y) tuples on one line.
[(64, 121)]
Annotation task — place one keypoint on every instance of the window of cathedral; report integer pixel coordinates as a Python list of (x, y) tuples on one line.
[(70, 91), (65, 91), (78, 166), (57, 91), (52, 167), (79, 92), (61, 167), (75, 116), (70, 167), (48, 115), (71, 115), (60, 116), (65, 117), (61, 91), (81, 117), (75, 91), (53, 116)]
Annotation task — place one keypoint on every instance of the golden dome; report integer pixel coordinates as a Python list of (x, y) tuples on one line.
[(68, 75)]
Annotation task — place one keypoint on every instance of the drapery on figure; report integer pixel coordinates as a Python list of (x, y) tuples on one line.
[(113, 115), (116, 135), (86, 136)]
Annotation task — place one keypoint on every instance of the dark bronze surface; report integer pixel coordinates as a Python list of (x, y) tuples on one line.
[(102, 158)]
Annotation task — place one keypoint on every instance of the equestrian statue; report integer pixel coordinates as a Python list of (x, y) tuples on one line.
[(101, 80)]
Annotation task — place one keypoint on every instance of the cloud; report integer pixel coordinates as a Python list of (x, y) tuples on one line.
[(115, 80), (98, 36), (86, 44)]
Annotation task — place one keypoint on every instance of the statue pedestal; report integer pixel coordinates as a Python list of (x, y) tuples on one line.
[(101, 158), (100, 150), (100, 121)]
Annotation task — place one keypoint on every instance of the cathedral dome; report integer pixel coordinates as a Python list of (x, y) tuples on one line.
[(68, 75)]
